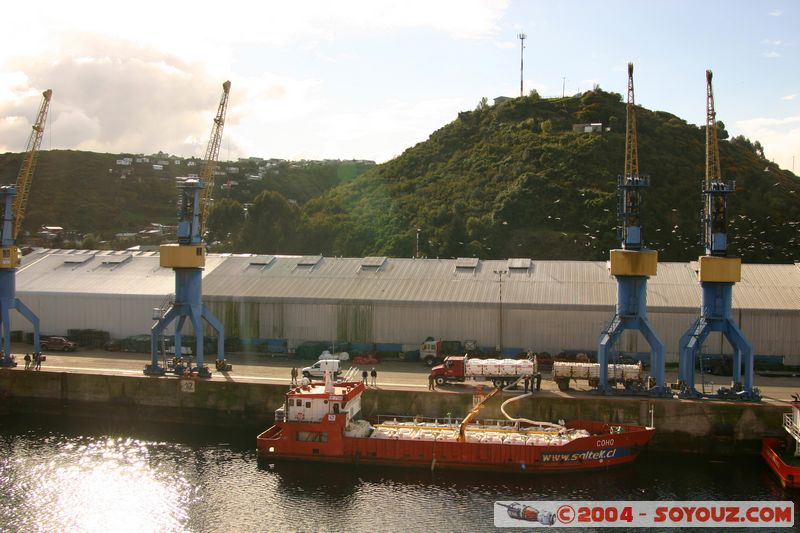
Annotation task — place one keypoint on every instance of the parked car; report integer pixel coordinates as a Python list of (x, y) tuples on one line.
[(59, 343), (366, 359)]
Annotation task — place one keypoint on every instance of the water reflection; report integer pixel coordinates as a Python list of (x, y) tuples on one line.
[(57, 476), (93, 484)]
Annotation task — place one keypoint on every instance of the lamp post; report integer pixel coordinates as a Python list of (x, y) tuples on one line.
[(500, 321), (416, 255)]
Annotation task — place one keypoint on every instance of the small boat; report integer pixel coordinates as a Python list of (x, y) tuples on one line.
[(778, 455), (321, 421)]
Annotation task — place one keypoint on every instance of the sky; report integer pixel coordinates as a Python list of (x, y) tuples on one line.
[(367, 79)]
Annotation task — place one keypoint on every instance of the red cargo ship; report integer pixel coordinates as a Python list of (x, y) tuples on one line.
[(322, 422), (778, 455)]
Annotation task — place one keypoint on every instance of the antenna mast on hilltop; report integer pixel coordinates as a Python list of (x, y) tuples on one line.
[(521, 37)]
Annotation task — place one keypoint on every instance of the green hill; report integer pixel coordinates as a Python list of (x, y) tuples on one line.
[(89, 192), (514, 180), (511, 180)]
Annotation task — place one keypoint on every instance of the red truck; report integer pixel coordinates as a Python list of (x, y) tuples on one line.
[(59, 344), (501, 372)]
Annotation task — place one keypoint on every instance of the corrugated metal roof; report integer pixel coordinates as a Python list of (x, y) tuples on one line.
[(547, 283), (100, 273), (556, 284)]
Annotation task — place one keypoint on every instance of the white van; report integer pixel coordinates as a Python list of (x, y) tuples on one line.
[(317, 370)]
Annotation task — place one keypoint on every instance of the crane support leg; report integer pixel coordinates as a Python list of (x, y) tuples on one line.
[(7, 361), (9, 301), (154, 369), (33, 319), (187, 305), (715, 316), (219, 328), (199, 352), (179, 334), (631, 315)]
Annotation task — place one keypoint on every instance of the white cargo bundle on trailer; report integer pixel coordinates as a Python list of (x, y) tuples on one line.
[(563, 372), (499, 367)]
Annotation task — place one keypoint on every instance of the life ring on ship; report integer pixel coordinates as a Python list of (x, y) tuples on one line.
[(300, 416)]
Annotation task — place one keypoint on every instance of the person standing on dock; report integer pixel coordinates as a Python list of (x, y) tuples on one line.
[(27, 361), (431, 382), (527, 382), (374, 375), (37, 358), (294, 376)]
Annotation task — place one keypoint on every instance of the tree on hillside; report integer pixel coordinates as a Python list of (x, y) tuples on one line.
[(271, 226), (225, 220)]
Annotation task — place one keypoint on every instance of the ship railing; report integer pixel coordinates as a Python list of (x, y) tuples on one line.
[(791, 427)]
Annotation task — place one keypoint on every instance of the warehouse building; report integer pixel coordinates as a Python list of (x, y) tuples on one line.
[(515, 304)]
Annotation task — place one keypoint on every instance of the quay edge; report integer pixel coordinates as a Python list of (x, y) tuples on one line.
[(687, 426)]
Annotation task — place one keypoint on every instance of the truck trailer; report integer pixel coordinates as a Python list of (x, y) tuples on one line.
[(501, 372), (627, 375)]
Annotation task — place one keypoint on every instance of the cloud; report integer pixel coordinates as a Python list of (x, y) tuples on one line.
[(379, 131), (771, 54), (150, 79), (775, 13), (779, 136), (789, 97), (771, 42), (113, 96), (205, 30)]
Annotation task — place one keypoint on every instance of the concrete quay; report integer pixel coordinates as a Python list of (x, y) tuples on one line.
[(111, 386)]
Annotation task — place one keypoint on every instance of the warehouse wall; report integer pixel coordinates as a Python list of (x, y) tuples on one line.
[(541, 329)]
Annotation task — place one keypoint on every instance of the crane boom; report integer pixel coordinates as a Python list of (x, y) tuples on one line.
[(631, 138), (210, 159), (713, 171), (29, 164), (631, 184), (715, 190)]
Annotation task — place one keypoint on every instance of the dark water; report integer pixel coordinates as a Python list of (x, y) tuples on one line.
[(58, 475)]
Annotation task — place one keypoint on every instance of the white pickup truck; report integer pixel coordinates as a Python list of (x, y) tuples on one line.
[(318, 369)]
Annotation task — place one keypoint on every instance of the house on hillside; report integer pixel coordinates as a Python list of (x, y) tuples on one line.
[(594, 127)]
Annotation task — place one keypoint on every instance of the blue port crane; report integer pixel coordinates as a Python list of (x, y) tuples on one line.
[(187, 258), (14, 201), (631, 265), (717, 273)]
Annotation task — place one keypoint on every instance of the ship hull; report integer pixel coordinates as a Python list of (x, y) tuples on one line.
[(788, 475), (602, 449)]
